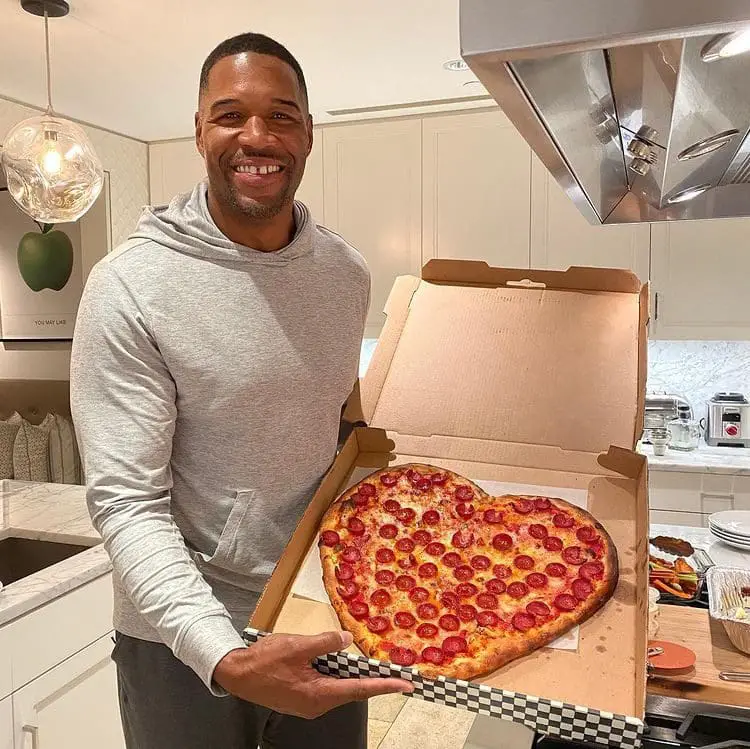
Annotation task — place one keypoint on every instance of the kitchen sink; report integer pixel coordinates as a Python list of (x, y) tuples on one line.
[(21, 557)]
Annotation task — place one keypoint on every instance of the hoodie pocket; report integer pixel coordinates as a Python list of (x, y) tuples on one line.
[(227, 547)]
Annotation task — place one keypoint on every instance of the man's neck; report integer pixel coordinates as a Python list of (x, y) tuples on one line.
[(268, 235)]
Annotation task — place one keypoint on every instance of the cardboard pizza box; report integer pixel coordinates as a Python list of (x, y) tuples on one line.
[(531, 378)]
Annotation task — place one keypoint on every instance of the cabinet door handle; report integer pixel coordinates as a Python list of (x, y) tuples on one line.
[(34, 732)]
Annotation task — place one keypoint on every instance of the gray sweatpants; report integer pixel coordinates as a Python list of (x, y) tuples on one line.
[(164, 705)]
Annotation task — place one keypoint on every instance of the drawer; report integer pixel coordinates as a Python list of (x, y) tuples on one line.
[(670, 517), (48, 635), (672, 490)]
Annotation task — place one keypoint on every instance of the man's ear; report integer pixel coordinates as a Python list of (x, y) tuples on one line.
[(199, 135)]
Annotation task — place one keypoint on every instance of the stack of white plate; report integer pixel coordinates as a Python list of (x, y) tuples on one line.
[(732, 527)]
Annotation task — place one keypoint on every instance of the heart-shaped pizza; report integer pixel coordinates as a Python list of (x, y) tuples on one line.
[(425, 569)]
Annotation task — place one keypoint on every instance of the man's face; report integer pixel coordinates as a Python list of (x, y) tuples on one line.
[(254, 133)]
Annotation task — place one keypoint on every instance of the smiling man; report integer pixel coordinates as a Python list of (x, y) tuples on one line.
[(212, 355)]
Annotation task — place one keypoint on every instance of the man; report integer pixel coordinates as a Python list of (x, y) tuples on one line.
[(212, 355)]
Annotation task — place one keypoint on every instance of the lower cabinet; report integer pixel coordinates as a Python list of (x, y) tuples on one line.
[(6, 723), (72, 706)]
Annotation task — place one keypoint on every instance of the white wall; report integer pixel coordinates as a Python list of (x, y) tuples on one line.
[(126, 160)]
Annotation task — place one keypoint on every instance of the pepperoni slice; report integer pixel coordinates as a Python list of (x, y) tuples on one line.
[(359, 610), (480, 562), (356, 526), (565, 602), (360, 500), (385, 556), (563, 521), (498, 587), (330, 538), (524, 562), (493, 517), (451, 559), (523, 506), (487, 619), (406, 515), (523, 621), (463, 573), (380, 598), (427, 631), (388, 531), (582, 589), (390, 505), (424, 484), (344, 571), (433, 655), (466, 590), (435, 549), (587, 535), (455, 645), (542, 503), (367, 490), (538, 531), (502, 542), (439, 478), (384, 577), (419, 595), (402, 656), (351, 554), (539, 608), (462, 539), (553, 543), (555, 569), (405, 582), (517, 590), (427, 611), (464, 493), (487, 601), (431, 517), (421, 537), (573, 555), (348, 589), (592, 571), (449, 623), (407, 562), (428, 570), (502, 571), (389, 479), (465, 510), (449, 600), (404, 620), (413, 476), (406, 545), (466, 612), (536, 580)]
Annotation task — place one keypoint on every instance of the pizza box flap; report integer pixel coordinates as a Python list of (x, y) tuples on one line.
[(525, 357)]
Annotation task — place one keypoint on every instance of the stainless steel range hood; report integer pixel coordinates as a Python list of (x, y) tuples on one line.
[(631, 104)]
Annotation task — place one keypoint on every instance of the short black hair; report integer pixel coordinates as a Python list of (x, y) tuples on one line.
[(260, 45)]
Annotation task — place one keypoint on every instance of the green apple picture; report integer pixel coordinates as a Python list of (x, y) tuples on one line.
[(45, 259)]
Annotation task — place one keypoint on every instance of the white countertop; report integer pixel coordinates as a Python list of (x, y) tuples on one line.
[(52, 512), (701, 538), (706, 459)]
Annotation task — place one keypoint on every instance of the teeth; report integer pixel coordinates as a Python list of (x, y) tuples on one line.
[(245, 169)]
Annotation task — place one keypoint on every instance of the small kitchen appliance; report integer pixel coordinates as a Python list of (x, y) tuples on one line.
[(728, 420)]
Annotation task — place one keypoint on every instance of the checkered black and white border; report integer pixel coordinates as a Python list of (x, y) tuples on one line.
[(548, 717)]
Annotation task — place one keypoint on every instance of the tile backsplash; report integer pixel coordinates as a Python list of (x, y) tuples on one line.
[(693, 369)]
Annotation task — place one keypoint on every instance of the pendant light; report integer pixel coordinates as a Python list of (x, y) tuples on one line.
[(52, 171)]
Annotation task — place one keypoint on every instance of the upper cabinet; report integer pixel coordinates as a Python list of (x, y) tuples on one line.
[(174, 167), (561, 236), (699, 272), (477, 183), (373, 198)]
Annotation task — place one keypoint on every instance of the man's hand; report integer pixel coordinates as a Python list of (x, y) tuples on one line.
[(276, 672)]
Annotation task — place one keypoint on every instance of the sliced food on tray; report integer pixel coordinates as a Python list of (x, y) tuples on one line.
[(678, 578)]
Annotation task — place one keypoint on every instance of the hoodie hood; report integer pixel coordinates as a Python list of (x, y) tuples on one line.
[(185, 225)]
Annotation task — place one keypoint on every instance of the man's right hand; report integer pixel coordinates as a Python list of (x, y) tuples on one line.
[(276, 672)]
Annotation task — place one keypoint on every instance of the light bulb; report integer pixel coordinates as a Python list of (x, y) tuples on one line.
[(52, 171)]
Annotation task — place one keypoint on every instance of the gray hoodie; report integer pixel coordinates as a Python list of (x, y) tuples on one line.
[(207, 381)]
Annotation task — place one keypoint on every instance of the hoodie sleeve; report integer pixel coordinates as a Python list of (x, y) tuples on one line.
[(123, 407)]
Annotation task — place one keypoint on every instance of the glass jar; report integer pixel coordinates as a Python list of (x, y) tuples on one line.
[(685, 434)]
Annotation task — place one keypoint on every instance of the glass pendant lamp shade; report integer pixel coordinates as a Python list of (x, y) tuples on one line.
[(51, 169)]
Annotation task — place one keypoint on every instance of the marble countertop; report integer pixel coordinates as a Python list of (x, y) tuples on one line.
[(50, 512), (701, 538), (706, 459)]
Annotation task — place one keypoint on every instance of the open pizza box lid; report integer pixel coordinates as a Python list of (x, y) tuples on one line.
[(525, 377)]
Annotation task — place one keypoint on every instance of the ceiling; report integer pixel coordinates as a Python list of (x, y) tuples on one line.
[(133, 67)]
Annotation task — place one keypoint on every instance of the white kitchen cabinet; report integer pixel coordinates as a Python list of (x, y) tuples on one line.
[(699, 271), (667, 517), (476, 188), (72, 706), (6, 723), (311, 189), (174, 167), (562, 237), (373, 198)]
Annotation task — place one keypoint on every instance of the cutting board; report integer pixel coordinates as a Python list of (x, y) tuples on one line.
[(714, 653)]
